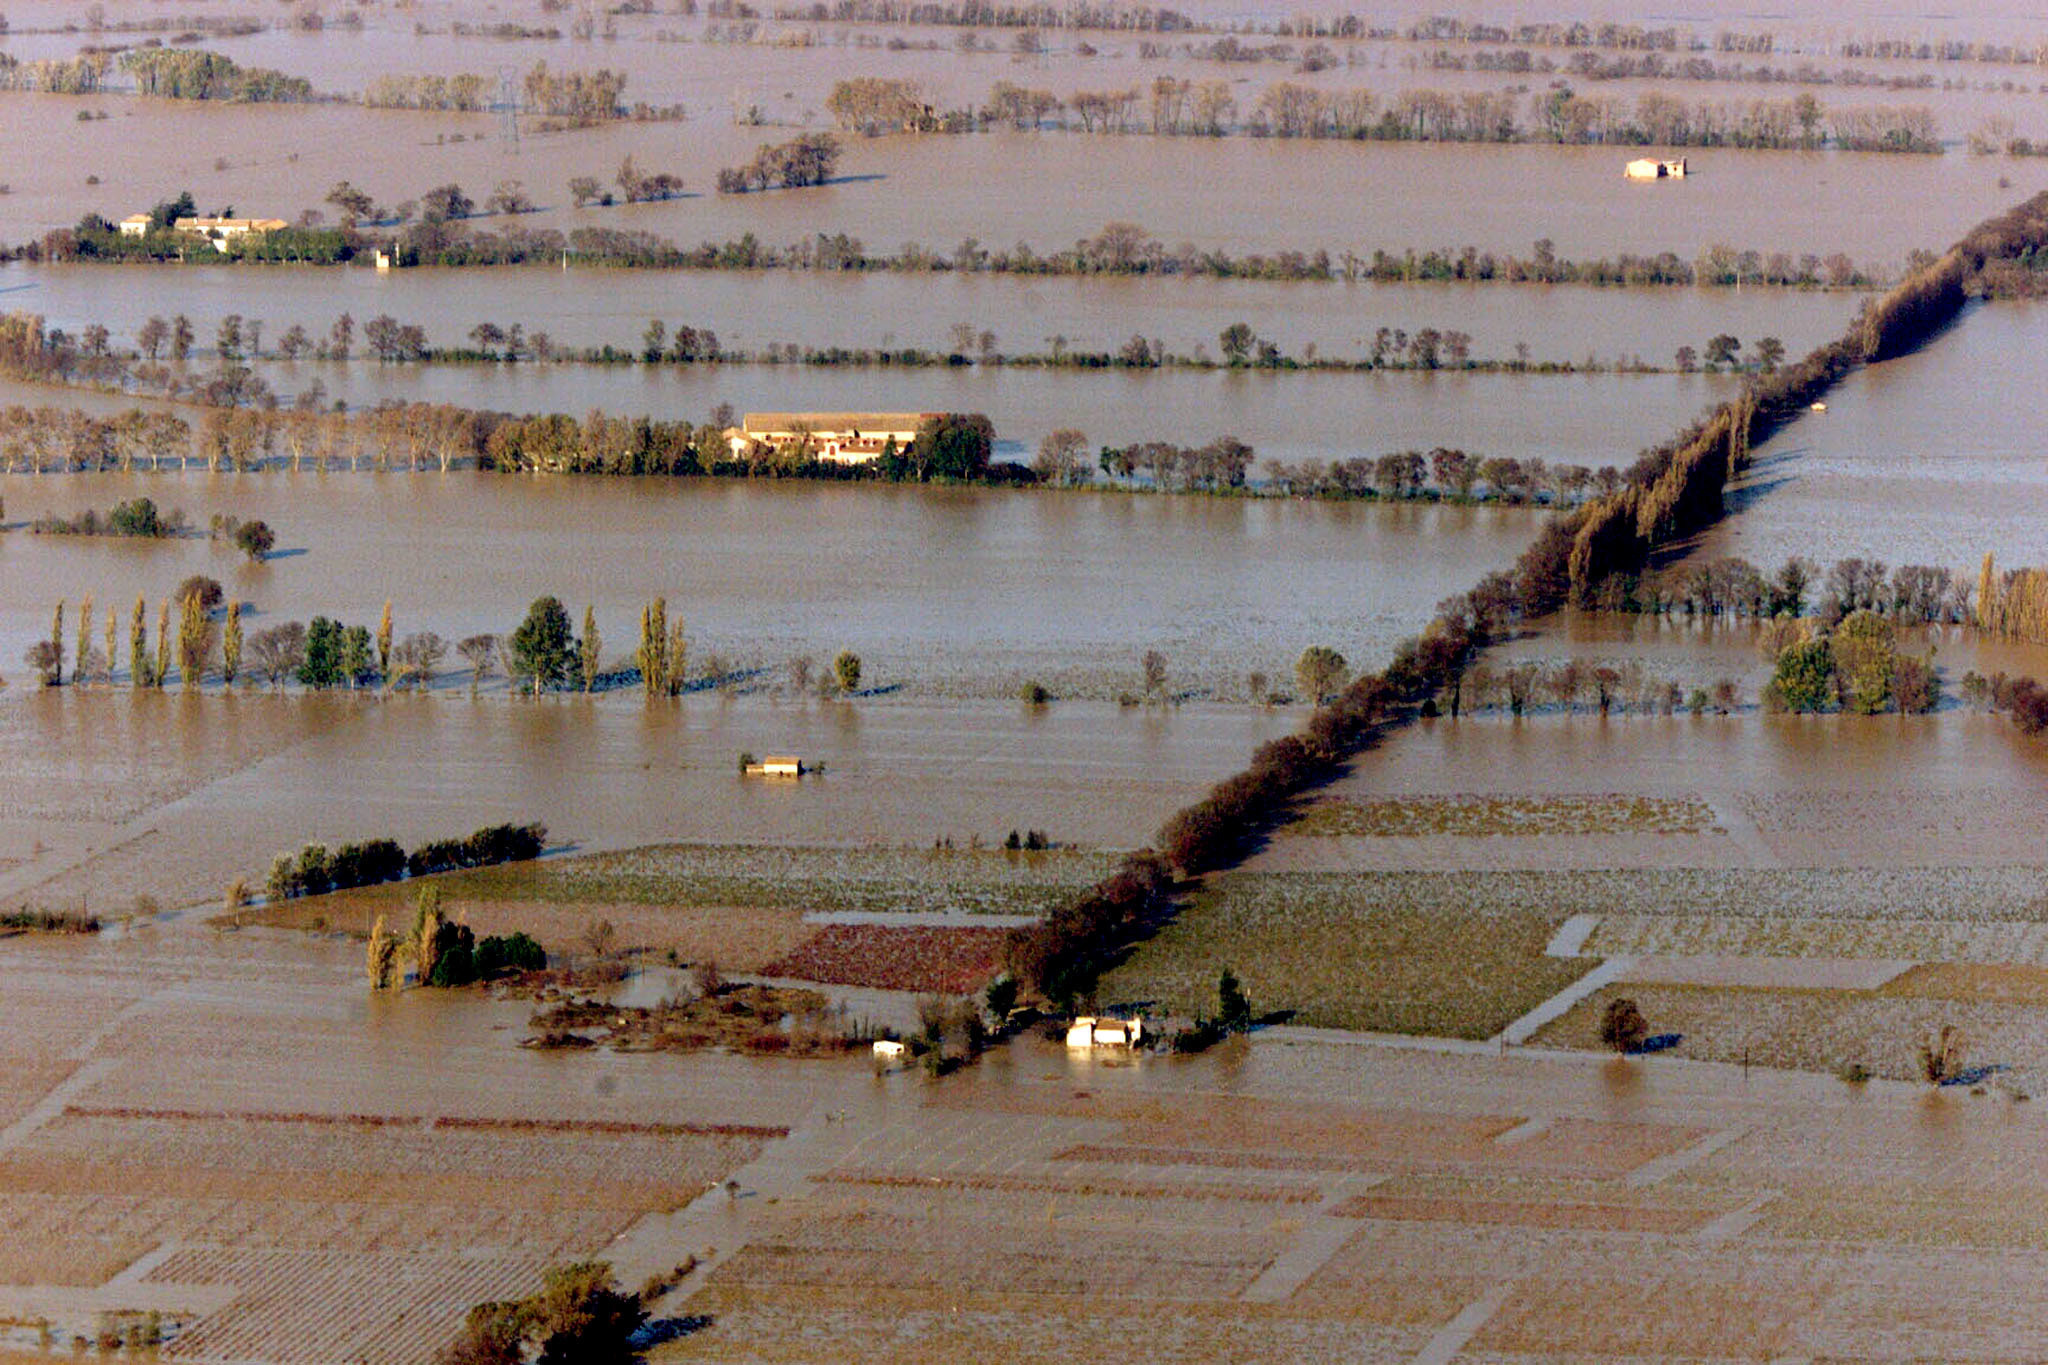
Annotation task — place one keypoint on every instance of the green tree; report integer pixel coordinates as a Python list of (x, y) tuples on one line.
[(195, 640), (321, 665), (1804, 678), (590, 653), (1237, 340), (138, 645), (1321, 671), (953, 445), (161, 669), (358, 665), (231, 644), (384, 641), (81, 671), (652, 655), (255, 539), (1865, 652), (544, 647), (1721, 349), (1233, 1009), (581, 1317), (846, 671)]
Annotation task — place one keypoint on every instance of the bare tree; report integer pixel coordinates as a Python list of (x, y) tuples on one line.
[(415, 658), (479, 652), (278, 651), (1153, 665)]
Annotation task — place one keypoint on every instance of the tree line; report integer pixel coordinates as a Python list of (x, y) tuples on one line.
[(200, 637), (190, 73), (443, 236), (1179, 107), (315, 871)]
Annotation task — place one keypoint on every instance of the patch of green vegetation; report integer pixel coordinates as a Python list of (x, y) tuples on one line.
[(1389, 952)]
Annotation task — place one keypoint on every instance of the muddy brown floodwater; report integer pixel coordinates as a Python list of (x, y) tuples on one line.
[(1933, 458), (938, 191), (958, 591)]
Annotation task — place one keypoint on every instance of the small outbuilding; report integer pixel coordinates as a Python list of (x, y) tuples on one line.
[(1649, 168), (1089, 1031)]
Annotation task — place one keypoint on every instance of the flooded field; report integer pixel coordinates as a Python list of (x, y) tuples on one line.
[(941, 591), (1934, 458), (953, 599), (173, 797), (935, 190), (750, 311)]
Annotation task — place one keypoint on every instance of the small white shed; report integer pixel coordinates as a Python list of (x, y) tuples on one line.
[(1089, 1031)]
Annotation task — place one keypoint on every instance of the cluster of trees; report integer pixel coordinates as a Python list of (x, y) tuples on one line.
[(1221, 464), (577, 1315), (1914, 594), (799, 162), (2013, 604), (447, 954), (1854, 665), (190, 73), (637, 186), (1444, 474), (197, 599), (85, 74), (1609, 687), (1026, 14), (314, 870), (138, 517), (1626, 65), (576, 98), (877, 104), (459, 93), (2023, 699)]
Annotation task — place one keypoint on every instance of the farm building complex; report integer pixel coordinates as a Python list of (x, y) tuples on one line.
[(840, 437)]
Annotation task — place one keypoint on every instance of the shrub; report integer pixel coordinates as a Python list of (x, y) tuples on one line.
[(454, 956), (1941, 1057), (515, 952), (1623, 1027)]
